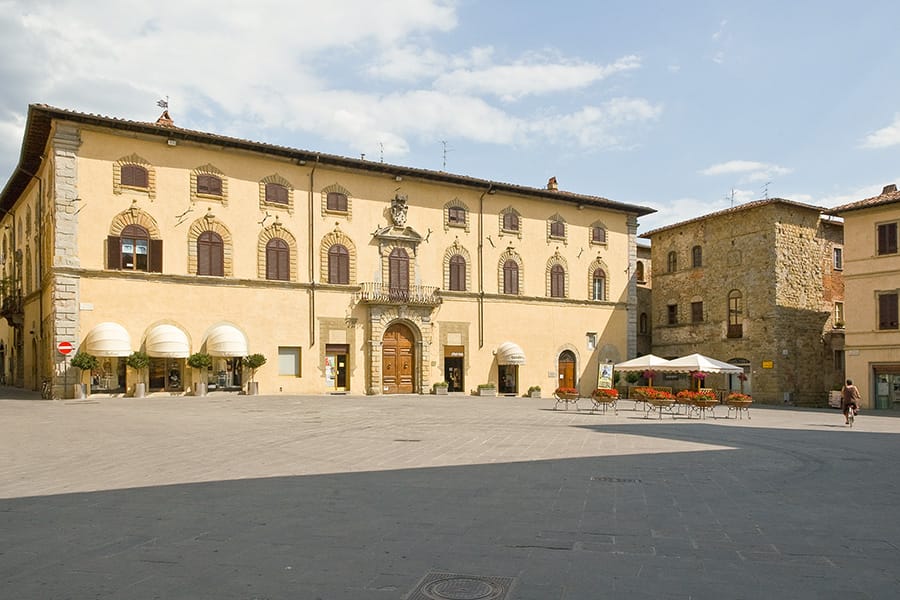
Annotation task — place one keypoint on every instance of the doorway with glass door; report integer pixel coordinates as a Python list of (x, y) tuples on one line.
[(454, 357), (336, 367)]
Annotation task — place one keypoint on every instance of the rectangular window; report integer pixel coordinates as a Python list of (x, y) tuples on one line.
[(838, 259), (887, 311), (598, 234), (838, 360), (336, 201), (209, 184), (696, 312), (887, 238), (456, 215), (838, 314), (673, 314), (289, 361)]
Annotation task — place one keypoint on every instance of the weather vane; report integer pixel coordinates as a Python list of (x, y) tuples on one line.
[(164, 104)]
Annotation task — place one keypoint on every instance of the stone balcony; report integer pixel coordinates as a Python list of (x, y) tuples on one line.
[(380, 293), (13, 308)]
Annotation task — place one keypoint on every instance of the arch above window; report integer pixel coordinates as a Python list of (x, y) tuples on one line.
[(597, 233), (671, 262), (276, 231), (134, 173), (337, 200), (457, 275), (557, 228), (697, 256), (208, 264), (510, 222), (598, 280), (456, 214), (134, 243), (510, 273), (278, 260), (557, 276)]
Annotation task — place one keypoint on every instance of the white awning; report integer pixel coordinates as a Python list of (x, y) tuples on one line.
[(107, 339), (509, 353), (226, 340), (167, 341)]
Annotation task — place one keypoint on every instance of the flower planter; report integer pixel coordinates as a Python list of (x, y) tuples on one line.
[(487, 391), (200, 388), (535, 394), (140, 390), (441, 390), (252, 388)]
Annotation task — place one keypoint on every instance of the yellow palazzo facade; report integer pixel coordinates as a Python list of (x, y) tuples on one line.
[(349, 276)]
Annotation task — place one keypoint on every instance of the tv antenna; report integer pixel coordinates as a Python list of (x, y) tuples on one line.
[(766, 189), (381, 146), (731, 197), (446, 150)]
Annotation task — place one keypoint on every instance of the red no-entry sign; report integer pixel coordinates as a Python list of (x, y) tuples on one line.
[(65, 348)]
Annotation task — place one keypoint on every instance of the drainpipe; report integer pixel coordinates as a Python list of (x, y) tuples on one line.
[(481, 265), (312, 274)]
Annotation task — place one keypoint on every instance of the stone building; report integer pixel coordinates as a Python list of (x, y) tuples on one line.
[(643, 273), (757, 285), (872, 271), (349, 275)]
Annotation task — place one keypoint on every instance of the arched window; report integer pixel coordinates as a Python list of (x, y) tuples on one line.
[(696, 256), (557, 281), (134, 249), (210, 254), (599, 284), (278, 260), (458, 273), (510, 221), (510, 277), (135, 176), (639, 273), (642, 323), (277, 193), (338, 264), (672, 262), (735, 314), (398, 273), (557, 228)]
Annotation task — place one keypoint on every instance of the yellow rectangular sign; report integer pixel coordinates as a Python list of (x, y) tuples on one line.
[(768, 364)]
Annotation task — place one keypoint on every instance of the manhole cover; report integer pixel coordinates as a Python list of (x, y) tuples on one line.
[(452, 586)]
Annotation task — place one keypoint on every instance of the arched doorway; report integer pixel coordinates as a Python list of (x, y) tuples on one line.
[(740, 382), (398, 360), (566, 369)]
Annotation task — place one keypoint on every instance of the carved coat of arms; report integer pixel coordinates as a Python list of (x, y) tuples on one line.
[(398, 210)]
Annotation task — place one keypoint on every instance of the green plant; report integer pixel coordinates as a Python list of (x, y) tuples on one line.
[(439, 384), (253, 362), (616, 377), (534, 388), (200, 360), (138, 361), (486, 386), (84, 361), (632, 377)]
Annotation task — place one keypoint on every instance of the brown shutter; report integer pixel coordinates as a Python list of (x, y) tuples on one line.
[(203, 258), (156, 257), (113, 252)]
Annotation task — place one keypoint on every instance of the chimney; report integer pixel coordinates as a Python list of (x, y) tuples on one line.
[(889, 189), (165, 120), (551, 184)]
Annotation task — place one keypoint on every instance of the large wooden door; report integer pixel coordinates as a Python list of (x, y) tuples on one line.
[(567, 369), (398, 360)]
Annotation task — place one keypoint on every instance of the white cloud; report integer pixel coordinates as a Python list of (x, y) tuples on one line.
[(597, 126), (750, 170), (532, 76), (884, 137)]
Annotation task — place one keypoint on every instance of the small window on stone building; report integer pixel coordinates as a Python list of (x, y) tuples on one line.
[(672, 314), (696, 256), (838, 360), (640, 272), (672, 262), (838, 314), (642, 323), (696, 312), (838, 259)]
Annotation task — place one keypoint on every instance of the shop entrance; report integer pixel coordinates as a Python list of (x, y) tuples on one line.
[(166, 374), (398, 360), (887, 389), (454, 359), (336, 367), (509, 379)]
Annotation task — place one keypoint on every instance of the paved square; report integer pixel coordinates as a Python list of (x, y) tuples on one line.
[(357, 497)]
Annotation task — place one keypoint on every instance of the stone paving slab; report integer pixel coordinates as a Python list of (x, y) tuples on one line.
[(359, 497)]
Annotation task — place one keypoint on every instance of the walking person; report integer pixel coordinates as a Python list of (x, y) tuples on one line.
[(849, 400)]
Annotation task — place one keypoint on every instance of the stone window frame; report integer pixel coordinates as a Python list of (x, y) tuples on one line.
[(602, 225), (138, 161), (502, 230), (510, 254), (456, 203), (277, 179), (276, 230), (136, 216), (211, 170), (457, 249), (598, 263), (557, 260), (672, 313), (837, 258), (411, 254), (695, 301), (640, 272), (330, 239), (672, 261), (735, 308), (696, 256), (337, 187), (206, 223), (557, 218)]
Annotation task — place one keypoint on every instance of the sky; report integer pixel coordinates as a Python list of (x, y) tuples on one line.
[(686, 107)]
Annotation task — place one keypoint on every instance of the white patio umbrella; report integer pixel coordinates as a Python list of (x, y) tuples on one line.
[(647, 362), (698, 362)]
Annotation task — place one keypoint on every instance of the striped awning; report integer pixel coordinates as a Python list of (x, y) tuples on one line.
[(167, 341), (107, 339), (509, 353), (226, 340)]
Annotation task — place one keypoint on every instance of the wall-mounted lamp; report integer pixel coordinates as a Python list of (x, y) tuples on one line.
[(172, 142), (398, 178)]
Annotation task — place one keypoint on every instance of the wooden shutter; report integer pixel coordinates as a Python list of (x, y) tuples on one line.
[(399, 269), (113, 252), (458, 273), (156, 256)]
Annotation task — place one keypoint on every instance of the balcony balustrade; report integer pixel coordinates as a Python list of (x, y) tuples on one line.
[(380, 293)]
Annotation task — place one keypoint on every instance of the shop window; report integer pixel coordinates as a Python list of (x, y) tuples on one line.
[(289, 361)]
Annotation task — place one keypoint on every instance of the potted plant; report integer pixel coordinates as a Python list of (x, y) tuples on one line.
[(253, 362), (534, 391), (487, 389), (439, 388), (201, 361), (83, 362), (138, 361)]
